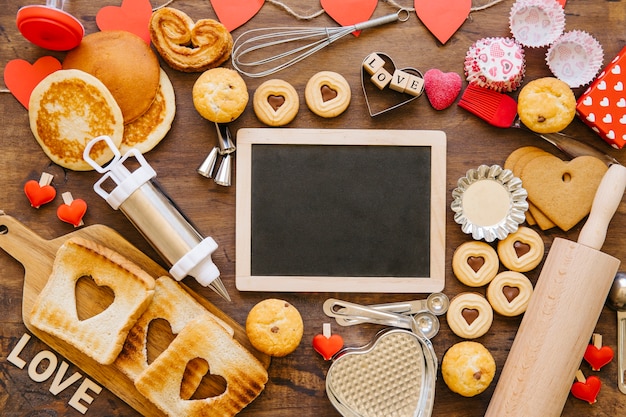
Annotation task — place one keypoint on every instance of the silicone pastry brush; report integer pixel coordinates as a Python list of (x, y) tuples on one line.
[(500, 110)]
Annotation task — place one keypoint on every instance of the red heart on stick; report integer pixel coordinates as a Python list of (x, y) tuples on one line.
[(132, 16), (443, 18), (72, 213), (327, 346), (349, 12), (21, 77), (588, 390), (597, 358), (234, 13), (38, 195)]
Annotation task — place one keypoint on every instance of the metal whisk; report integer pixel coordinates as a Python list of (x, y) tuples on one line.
[(308, 40)]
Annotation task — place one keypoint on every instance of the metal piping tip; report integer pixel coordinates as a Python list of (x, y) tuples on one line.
[(208, 165), (223, 175), (218, 286), (224, 139)]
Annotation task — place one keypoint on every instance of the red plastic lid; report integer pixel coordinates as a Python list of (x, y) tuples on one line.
[(50, 28)]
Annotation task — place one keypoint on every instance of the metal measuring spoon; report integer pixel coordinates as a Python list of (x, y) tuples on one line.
[(617, 301)]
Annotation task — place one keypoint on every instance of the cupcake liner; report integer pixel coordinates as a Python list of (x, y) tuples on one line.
[(536, 23), (496, 63), (575, 58)]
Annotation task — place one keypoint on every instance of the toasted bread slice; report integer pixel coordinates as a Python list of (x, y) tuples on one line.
[(69, 108), (203, 338), (170, 302), (151, 127), (101, 336)]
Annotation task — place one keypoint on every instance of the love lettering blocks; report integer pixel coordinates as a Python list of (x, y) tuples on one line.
[(603, 105), (401, 81)]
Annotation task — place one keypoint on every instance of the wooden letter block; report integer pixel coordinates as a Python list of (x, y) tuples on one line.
[(381, 78), (399, 80), (415, 85), (372, 63)]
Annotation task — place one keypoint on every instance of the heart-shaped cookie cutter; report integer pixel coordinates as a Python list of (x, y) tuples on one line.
[(395, 374)]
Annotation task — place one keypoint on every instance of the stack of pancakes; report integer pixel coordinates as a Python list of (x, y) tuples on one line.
[(111, 84)]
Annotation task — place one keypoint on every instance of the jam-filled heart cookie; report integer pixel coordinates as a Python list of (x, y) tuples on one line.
[(470, 315), (327, 94), (276, 102), (475, 263), (521, 251), (509, 293), (187, 46)]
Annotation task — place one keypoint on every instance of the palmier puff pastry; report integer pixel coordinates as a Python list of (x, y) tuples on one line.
[(186, 46)]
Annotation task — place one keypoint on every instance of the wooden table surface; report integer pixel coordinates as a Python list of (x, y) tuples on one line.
[(296, 383)]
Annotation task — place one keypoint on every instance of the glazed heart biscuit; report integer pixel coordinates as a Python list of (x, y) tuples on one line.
[(475, 263), (470, 315), (188, 46), (563, 190), (509, 293), (521, 251), (276, 102), (327, 94)]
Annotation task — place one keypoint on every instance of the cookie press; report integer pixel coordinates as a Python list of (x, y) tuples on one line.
[(156, 217)]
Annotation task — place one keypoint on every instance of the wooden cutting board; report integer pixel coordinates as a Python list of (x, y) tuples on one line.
[(37, 256)]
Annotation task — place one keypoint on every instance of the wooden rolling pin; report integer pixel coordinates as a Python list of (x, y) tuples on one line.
[(561, 316)]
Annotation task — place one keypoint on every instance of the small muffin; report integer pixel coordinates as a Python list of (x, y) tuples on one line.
[(274, 327), (546, 105), (220, 95), (468, 368)]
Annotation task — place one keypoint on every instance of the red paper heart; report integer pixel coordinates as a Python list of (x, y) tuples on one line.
[(588, 390), (21, 77), (234, 13), (597, 358), (38, 195), (327, 346), (349, 12), (132, 16), (441, 88), (72, 213), (443, 18)]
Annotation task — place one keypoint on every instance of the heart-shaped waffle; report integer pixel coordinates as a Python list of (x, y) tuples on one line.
[(381, 101), (393, 375)]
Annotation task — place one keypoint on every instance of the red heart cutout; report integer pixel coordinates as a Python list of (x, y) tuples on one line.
[(21, 77), (132, 16), (234, 13), (597, 358), (441, 88), (38, 195), (327, 346), (72, 213), (588, 390), (443, 18), (349, 12)]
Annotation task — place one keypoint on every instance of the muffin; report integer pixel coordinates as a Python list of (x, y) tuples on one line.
[(468, 368), (546, 105), (220, 95), (274, 327)]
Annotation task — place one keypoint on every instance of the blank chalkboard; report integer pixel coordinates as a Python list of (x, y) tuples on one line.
[(340, 210)]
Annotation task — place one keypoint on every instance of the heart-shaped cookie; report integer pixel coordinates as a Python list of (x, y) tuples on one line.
[(21, 77), (385, 377), (442, 88), (443, 18), (234, 13), (563, 190), (381, 101), (132, 16), (349, 12)]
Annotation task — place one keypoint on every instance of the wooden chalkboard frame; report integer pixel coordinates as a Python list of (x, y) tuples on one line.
[(247, 138)]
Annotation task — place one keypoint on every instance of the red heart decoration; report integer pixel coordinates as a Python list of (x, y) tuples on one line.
[(38, 195), (72, 213), (349, 12), (327, 346), (443, 18), (597, 358), (132, 16), (21, 77), (234, 13), (588, 390), (441, 88)]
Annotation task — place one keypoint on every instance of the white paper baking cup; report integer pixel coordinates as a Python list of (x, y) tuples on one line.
[(536, 23), (575, 58), (497, 63), (490, 212)]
